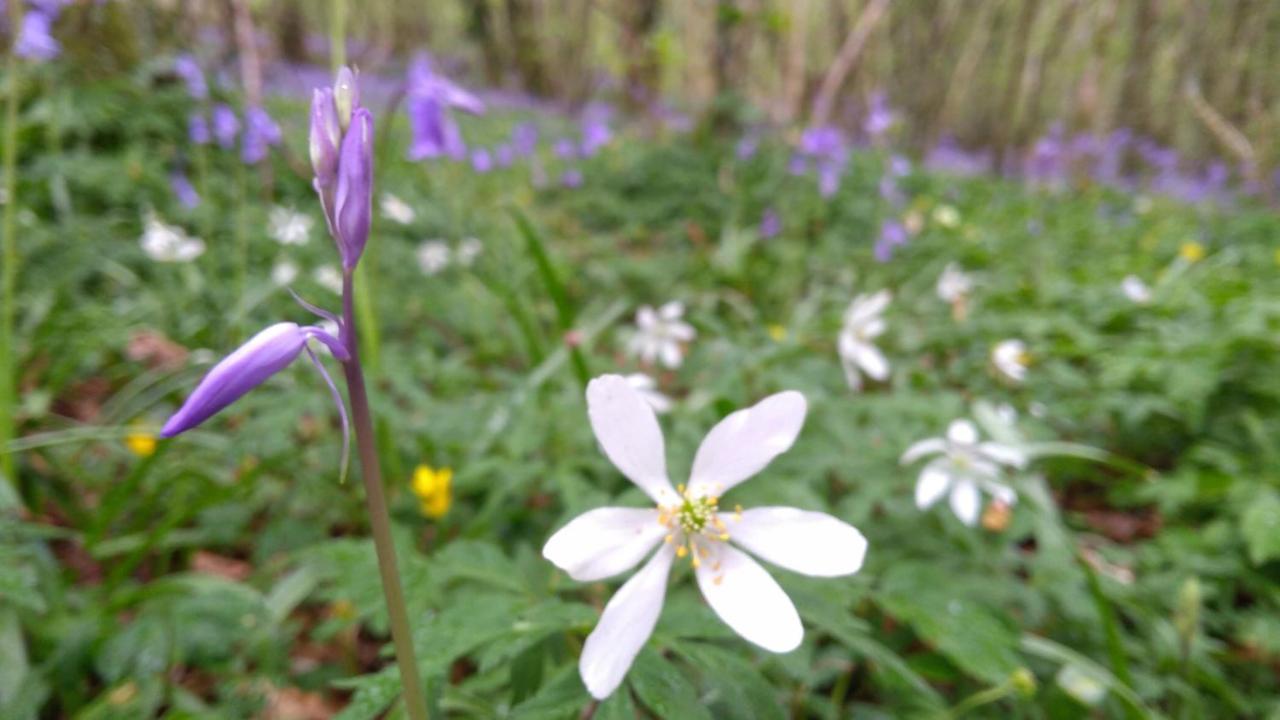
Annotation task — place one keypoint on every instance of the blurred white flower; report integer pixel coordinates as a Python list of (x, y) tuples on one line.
[(964, 467), (468, 250), (1135, 289), (954, 284), (648, 389), (289, 227), (1010, 359), (687, 522), (660, 334), (163, 242), (1081, 684), (284, 272), (946, 216), (863, 323), (329, 277), (396, 210), (433, 256)]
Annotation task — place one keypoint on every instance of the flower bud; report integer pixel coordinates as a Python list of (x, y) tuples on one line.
[(325, 137), (1186, 615), (353, 203), (264, 355), (346, 96)]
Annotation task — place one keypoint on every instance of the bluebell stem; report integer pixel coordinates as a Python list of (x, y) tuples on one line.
[(342, 158)]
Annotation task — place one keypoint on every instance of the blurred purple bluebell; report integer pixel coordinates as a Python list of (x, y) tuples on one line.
[(188, 69), (571, 178), (35, 41), (1049, 163), (797, 165), (566, 149), (948, 157), (524, 139), (595, 130), (503, 155), (829, 174), (899, 166), (225, 126), (823, 141), (481, 160), (265, 354), (183, 190), (429, 99), (770, 224), (260, 132), (880, 117), (746, 147), (198, 129), (892, 235)]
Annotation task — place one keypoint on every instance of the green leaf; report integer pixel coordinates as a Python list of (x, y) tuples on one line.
[(562, 697), (618, 706), (1049, 650), (662, 687), (1261, 528), (373, 694), (740, 690)]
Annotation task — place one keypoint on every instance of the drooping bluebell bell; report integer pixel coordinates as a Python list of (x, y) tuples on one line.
[(892, 236), (226, 126), (429, 99), (565, 149), (182, 188), (188, 69), (524, 139), (35, 39), (747, 146), (481, 160), (770, 224), (265, 354), (880, 117), (595, 130), (948, 157), (571, 178), (260, 132), (198, 129)]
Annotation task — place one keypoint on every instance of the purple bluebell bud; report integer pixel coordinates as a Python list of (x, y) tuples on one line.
[(264, 355), (770, 224), (198, 129), (346, 96), (326, 136), (35, 41), (189, 70), (182, 188), (353, 202), (260, 131), (225, 126)]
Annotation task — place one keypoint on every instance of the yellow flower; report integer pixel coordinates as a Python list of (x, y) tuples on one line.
[(1191, 251), (777, 332), (141, 442), (946, 216), (434, 489)]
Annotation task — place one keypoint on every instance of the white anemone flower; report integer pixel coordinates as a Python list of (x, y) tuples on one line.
[(1010, 359), (396, 210), (660, 334), (284, 272), (964, 467), (687, 523), (288, 226), (167, 243), (954, 284), (648, 389), (1135, 289), (863, 323), (468, 250), (433, 256), (329, 277)]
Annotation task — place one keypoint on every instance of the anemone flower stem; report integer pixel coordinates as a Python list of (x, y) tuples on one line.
[(9, 272), (376, 501)]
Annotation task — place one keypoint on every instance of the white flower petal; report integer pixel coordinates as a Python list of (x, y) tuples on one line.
[(745, 441), (646, 317), (670, 353), (932, 484), (672, 310), (1003, 454), (921, 448), (604, 542), (871, 360), (962, 432), (628, 431), (812, 543), (625, 625), (748, 600), (965, 501), (865, 307), (681, 331)]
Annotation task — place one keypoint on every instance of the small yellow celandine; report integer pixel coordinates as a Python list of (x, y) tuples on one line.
[(777, 332), (141, 443), (434, 489), (1191, 251)]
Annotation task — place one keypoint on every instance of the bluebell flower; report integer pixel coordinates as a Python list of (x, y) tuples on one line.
[(35, 41), (225, 126), (260, 132)]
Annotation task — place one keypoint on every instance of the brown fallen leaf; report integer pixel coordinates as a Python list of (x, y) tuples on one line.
[(222, 566), (292, 703), (154, 350)]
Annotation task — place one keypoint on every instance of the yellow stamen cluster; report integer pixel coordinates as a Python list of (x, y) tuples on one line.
[(434, 489), (692, 523)]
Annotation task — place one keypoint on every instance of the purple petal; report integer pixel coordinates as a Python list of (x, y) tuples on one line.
[(353, 203), (264, 355)]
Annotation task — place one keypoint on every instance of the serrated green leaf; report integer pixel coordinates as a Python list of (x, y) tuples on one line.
[(561, 698), (663, 688), (740, 691), (373, 694), (1260, 526)]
